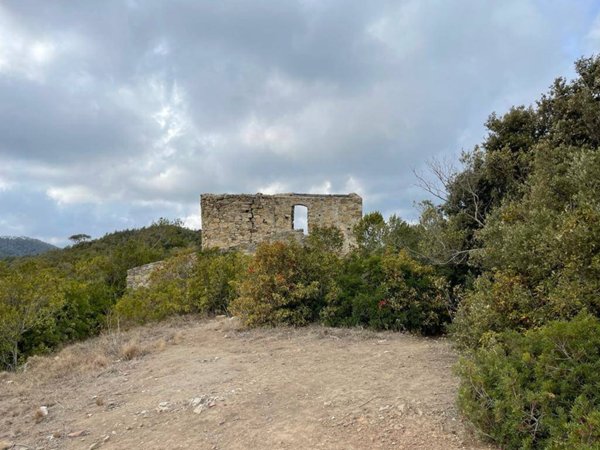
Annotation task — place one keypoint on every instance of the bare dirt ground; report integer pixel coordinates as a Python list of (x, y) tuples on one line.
[(208, 385)]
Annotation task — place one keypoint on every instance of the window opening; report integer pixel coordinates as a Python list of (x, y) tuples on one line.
[(300, 218)]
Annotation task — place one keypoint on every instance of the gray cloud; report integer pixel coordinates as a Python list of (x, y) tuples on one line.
[(115, 113)]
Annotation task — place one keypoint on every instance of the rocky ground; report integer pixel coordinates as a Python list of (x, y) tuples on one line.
[(209, 385)]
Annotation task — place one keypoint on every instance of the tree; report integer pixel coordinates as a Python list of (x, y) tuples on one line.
[(79, 238), (370, 231)]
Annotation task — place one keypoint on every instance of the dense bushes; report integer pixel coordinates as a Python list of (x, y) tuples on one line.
[(214, 278), (387, 289), (542, 252), (528, 326), (540, 389), (278, 288), (187, 283), (288, 283), (62, 297), (29, 298), (66, 295)]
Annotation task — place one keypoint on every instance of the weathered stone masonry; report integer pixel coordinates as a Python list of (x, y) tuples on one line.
[(245, 220), (141, 276)]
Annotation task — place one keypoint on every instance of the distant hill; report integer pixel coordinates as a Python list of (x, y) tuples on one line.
[(11, 246)]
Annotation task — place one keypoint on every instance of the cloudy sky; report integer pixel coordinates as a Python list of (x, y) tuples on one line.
[(116, 113)]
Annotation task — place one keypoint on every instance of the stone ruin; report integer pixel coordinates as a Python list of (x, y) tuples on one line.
[(243, 221), (140, 276)]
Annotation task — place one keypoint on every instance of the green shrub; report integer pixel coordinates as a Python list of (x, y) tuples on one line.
[(30, 296), (497, 302), (360, 286), (82, 314), (538, 389), (286, 283), (213, 280), (150, 304), (389, 291), (167, 293), (417, 298)]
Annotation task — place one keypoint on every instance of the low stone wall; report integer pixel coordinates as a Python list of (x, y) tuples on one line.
[(141, 276)]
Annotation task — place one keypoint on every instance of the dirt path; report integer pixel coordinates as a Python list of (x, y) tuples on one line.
[(208, 386)]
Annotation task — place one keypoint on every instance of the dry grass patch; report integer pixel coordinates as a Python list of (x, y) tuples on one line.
[(133, 349), (98, 354)]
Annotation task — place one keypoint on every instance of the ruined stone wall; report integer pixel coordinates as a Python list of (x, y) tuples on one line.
[(245, 220), (142, 276)]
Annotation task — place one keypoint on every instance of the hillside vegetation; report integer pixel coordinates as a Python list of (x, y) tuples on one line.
[(11, 246), (508, 262), (68, 294)]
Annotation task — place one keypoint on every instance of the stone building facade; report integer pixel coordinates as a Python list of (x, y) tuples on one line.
[(242, 221)]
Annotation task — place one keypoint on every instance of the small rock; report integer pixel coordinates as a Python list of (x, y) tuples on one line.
[(79, 433), (163, 407), (43, 411), (326, 404), (97, 444), (202, 403), (5, 445)]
